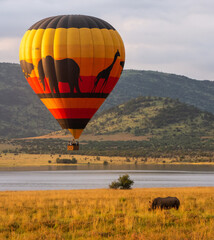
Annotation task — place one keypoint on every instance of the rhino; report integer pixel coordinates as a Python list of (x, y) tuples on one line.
[(165, 203)]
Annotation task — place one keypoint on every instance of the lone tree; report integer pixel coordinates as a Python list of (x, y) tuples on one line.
[(123, 182)]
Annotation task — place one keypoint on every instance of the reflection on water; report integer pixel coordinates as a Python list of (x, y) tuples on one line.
[(173, 167), (99, 176)]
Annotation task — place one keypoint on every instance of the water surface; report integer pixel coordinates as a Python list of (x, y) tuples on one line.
[(99, 176)]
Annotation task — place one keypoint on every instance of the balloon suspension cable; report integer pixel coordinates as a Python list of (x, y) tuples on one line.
[(74, 142)]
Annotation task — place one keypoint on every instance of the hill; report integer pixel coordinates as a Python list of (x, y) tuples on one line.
[(23, 115), (21, 111), (144, 127), (153, 116), (135, 83)]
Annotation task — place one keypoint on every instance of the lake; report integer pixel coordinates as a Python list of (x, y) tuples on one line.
[(99, 176)]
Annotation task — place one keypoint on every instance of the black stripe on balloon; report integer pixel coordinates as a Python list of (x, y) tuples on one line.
[(43, 23), (72, 21), (76, 123), (73, 95)]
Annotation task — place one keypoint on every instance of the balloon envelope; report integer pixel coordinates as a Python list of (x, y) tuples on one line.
[(72, 62)]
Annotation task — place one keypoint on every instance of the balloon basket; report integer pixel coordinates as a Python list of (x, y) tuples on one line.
[(72, 147)]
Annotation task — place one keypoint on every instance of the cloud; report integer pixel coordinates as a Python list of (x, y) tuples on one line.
[(167, 35), (9, 49)]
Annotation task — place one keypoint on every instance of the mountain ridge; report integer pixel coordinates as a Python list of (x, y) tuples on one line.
[(22, 114)]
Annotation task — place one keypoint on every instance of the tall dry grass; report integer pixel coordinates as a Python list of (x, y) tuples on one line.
[(106, 214)]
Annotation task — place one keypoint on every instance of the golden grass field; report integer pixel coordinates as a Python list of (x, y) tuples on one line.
[(33, 160), (12, 160), (106, 214)]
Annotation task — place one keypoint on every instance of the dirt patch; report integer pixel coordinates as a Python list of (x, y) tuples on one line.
[(91, 137)]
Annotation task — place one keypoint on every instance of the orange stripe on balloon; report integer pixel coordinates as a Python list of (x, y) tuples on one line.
[(51, 103)]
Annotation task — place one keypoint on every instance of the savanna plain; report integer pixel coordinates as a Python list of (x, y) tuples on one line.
[(11, 160), (106, 214)]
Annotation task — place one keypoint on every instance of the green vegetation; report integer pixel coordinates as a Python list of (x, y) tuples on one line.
[(123, 182), (165, 147), (170, 129), (185, 148), (135, 83), (66, 160), (23, 115), (155, 117)]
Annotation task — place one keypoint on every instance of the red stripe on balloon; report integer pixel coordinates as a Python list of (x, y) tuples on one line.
[(37, 86), (86, 85), (63, 113)]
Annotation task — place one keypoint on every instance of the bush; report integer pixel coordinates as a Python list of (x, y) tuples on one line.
[(73, 160), (65, 160), (105, 163), (123, 182), (114, 185)]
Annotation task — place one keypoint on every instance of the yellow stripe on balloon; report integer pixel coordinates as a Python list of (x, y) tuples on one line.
[(72, 43)]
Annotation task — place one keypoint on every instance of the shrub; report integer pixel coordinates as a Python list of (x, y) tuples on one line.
[(105, 163), (65, 160), (73, 160), (114, 185), (123, 182)]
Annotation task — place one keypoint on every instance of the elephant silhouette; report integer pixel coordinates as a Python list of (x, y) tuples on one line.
[(65, 70), (27, 68)]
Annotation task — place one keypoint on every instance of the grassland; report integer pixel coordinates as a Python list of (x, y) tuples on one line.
[(36, 160), (24, 160), (106, 214)]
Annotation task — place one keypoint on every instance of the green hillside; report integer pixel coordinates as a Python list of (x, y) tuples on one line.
[(135, 83), (154, 116), (22, 114), (167, 128)]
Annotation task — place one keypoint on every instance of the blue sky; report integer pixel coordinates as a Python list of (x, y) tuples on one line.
[(164, 35)]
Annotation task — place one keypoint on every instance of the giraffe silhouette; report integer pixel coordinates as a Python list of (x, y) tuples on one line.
[(104, 74), (122, 65)]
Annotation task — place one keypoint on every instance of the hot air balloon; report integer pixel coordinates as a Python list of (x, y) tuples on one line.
[(72, 62)]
